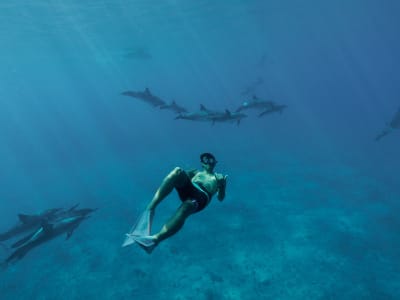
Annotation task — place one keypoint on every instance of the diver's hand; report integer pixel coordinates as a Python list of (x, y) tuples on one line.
[(222, 188), (223, 181)]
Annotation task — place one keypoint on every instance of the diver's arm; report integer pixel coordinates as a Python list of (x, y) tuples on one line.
[(221, 187)]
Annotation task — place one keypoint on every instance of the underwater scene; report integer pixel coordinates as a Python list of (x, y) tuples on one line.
[(210, 150)]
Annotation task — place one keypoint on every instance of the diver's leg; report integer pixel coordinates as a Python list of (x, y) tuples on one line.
[(176, 178), (176, 222), (148, 243)]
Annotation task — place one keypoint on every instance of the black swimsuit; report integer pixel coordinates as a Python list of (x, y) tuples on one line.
[(195, 192)]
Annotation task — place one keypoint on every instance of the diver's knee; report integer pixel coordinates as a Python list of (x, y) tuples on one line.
[(176, 172)]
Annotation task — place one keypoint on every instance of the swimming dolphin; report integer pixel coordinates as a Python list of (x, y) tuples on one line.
[(193, 116), (227, 116), (255, 103), (66, 223), (146, 96), (174, 107), (202, 114), (274, 108), (28, 223), (393, 124), (140, 53)]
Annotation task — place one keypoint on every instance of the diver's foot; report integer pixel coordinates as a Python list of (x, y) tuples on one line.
[(147, 243)]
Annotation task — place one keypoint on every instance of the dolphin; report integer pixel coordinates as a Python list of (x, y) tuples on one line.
[(274, 108), (255, 103), (146, 96), (140, 53), (28, 223), (227, 116), (193, 116), (66, 222), (393, 124), (202, 114), (174, 107)]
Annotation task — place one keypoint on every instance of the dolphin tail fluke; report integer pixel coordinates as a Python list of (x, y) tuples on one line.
[(69, 233)]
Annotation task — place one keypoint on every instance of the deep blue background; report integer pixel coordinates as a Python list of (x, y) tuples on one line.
[(308, 189)]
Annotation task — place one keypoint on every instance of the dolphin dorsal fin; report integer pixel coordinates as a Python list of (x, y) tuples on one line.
[(27, 218), (227, 111), (73, 207), (202, 107)]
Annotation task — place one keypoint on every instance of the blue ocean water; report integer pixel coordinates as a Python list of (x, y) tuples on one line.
[(312, 205)]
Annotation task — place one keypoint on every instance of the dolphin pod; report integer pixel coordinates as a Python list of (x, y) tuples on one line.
[(207, 115), (41, 228)]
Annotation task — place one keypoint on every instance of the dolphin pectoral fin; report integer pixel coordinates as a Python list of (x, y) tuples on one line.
[(69, 234), (72, 230)]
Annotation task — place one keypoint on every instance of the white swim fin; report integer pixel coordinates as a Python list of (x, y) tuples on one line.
[(142, 227)]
